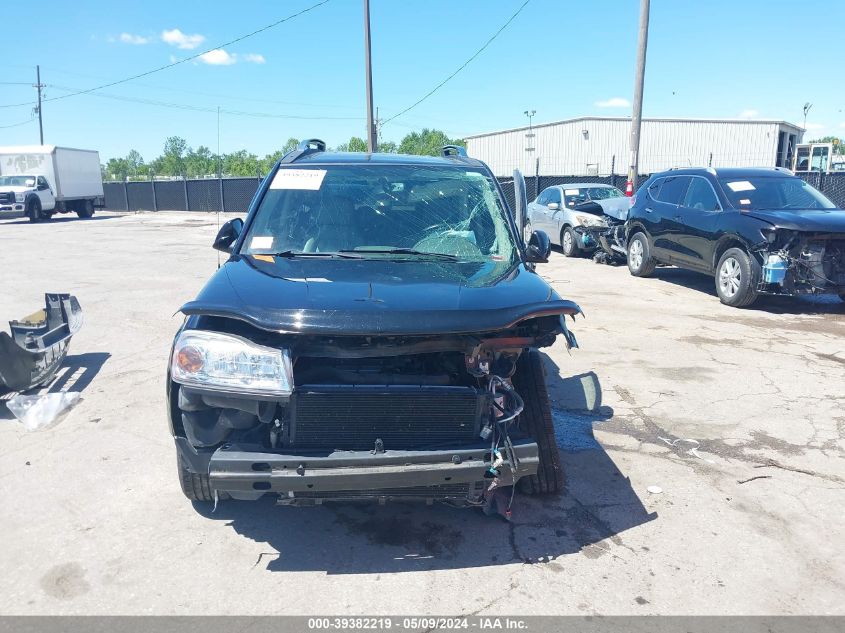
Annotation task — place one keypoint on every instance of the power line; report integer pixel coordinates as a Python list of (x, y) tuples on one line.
[(29, 120), (180, 61), (464, 65), (196, 108)]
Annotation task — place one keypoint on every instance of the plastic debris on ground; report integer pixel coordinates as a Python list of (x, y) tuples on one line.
[(655, 490), (41, 411)]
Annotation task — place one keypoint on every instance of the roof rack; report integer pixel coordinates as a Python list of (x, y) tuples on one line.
[(452, 151), (308, 146)]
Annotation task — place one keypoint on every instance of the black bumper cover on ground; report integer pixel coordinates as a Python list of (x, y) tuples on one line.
[(33, 353)]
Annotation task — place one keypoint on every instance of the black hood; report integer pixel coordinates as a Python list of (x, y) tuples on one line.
[(810, 220), (375, 296)]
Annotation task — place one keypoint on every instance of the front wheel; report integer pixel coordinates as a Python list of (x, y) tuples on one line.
[(640, 261), (33, 210), (195, 486), (569, 242), (737, 276), (536, 420)]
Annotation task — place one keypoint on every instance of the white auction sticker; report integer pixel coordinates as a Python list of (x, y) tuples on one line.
[(741, 185), (261, 241), (311, 179), (570, 192)]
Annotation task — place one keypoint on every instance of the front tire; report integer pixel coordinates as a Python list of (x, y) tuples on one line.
[(536, 420), (526, 232), (33, 210), (737, 276), (640, 261), (195, 486), (569, 242)]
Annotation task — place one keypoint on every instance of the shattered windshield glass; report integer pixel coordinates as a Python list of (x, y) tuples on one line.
[(773, 193), (382, 210)]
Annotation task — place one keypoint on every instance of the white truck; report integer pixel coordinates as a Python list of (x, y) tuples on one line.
[(42, 180)]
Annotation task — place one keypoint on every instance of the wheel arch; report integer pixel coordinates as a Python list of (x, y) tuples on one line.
[(729, 241)]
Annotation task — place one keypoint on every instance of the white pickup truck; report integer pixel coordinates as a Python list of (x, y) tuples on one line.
[(42, 180)]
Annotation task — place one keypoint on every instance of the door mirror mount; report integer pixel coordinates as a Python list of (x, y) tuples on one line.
[(554, 206), (228, 235), (538, 248)]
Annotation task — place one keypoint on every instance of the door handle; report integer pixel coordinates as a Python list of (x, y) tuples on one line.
[(647, 210), (679, 218)]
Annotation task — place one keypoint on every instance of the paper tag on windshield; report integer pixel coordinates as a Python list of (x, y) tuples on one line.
[(741, 185), (261, 241), (570, 192), (311, 179)]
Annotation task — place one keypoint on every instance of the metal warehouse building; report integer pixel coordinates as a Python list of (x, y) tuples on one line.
[(600, 145)]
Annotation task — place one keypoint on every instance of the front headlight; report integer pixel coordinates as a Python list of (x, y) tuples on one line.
[(19, 197), (589, 220), (223, 362)]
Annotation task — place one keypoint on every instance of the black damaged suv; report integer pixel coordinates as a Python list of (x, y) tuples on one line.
[(372, 335), (757, 231)]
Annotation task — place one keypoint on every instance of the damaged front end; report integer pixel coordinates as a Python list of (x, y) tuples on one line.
[(801, 263), (38, 343), (425, 417)]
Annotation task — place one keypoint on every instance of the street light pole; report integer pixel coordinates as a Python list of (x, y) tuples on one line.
[(372, 140), (637, 114), (807, 107)]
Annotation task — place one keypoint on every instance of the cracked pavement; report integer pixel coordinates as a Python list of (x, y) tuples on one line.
[(736, 415)]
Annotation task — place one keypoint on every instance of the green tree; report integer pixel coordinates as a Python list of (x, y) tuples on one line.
[(172, 161), (427, 142), (240, 163), (838, 143), (387, 147), (116, 169), (135, 163), (355, 144), (200, 162)]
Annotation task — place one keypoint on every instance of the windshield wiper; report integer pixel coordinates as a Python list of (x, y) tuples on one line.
[(403, 251), (292, 254)]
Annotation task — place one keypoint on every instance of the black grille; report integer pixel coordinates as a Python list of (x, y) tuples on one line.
[(353, 418), (7, 197)]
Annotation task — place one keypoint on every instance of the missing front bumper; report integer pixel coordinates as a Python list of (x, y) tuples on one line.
[(246, 469)]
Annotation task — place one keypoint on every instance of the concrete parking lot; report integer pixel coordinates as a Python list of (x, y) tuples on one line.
[(749, 520)]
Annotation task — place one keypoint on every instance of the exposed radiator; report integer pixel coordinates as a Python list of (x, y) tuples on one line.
[(402, 417)]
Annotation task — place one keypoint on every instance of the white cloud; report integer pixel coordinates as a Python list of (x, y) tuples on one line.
[(218, 57), (614, 102), (749, 114), (177, 38), (254, 58), (130, 38)]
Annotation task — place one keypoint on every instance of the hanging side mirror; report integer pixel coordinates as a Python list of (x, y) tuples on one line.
[(539, 247), (554, 206), (228, 235)]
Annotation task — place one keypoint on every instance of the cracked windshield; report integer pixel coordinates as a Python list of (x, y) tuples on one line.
[(382, 211)]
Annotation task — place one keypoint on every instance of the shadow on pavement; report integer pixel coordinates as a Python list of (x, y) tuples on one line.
[(61, 220), (589, 519), (75, 374), (819, 304)]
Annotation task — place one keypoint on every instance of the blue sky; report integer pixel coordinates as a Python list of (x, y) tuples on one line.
[(563, 59)]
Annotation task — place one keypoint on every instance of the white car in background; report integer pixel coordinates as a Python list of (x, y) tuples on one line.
[(563, 211)]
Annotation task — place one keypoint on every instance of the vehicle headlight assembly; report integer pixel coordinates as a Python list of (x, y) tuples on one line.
[(589, 220), (223, 362), (19, 197)]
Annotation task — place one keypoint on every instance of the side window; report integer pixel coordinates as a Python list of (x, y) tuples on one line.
[(543, 198), (554, 195), (654, 188), (700, 196), (42, 182), (673, 190)]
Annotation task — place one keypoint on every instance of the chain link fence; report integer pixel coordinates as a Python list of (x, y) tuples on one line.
[(235, 194)]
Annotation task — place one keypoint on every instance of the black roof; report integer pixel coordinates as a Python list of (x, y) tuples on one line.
[(729, 172), (380, 158)]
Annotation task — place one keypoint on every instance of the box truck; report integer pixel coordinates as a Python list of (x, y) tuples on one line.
[(42, 180)]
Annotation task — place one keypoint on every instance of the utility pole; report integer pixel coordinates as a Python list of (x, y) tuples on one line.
[(636, 118), (807, 107), (372, 136), (39, 85)]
